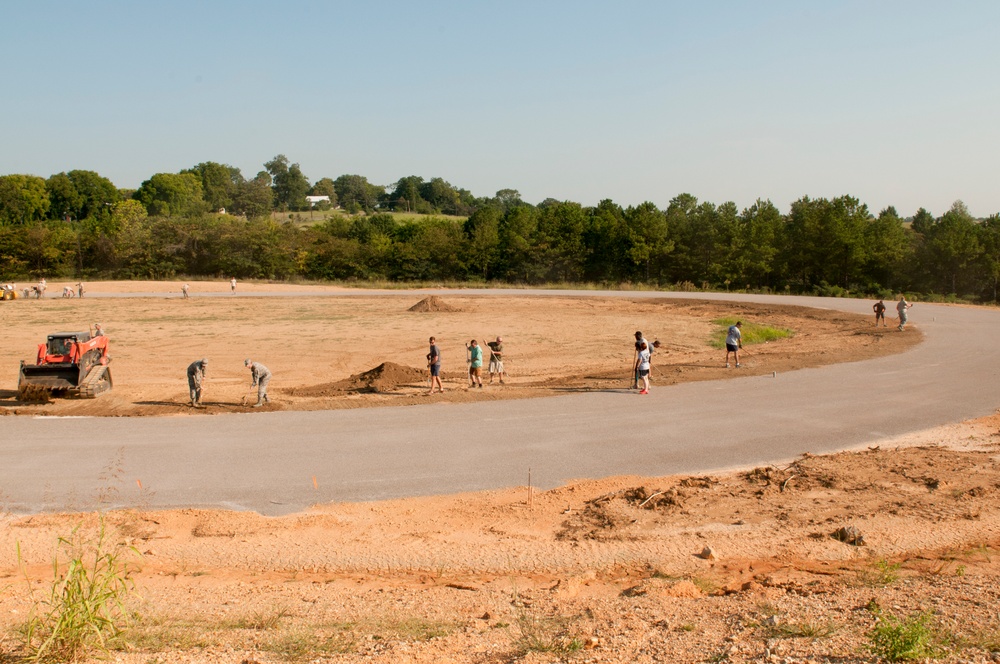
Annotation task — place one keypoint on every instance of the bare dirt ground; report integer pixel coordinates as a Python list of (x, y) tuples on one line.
[(740, 567), (328, 352)]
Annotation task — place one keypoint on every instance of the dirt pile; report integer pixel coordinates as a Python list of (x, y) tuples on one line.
[(432, 303), (386, 377)]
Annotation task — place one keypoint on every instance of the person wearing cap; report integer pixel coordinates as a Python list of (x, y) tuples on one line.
[(496, 359), (260, 377), (196, 376)]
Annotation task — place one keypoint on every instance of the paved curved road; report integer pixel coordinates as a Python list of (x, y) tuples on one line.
[(267, 462)]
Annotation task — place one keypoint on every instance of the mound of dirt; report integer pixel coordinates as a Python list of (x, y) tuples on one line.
[(432, 303), (386, 377)]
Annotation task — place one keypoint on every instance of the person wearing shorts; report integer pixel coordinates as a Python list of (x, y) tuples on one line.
[(643, 367), (734, 342), (496, 359), (879, 309), (434, 364), (475, 364)]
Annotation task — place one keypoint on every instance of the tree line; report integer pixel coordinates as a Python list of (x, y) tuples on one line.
[(79, 225)]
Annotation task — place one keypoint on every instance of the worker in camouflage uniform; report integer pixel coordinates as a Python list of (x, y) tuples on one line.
[(260, 376), (196, 376)]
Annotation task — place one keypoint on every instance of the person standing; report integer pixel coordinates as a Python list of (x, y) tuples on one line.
[(639, 340), (734, 342), (79, 289), (434, 365), (879, 309), (260, 376), (196, 378), (232, 285), (901, 308), (642, 367), (184, 291), (496, 359), (475, 364)]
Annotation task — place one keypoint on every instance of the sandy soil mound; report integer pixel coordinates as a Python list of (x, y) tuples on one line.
[(386, 377), (432, 303)]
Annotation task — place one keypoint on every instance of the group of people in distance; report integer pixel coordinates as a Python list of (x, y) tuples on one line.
[(474, 355), (901, 308)]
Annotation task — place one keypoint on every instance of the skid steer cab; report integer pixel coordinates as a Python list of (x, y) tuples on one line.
[(69, 364)]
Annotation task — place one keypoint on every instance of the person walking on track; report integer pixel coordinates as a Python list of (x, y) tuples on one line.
[(260, 376), (734, 342), (196, 378)]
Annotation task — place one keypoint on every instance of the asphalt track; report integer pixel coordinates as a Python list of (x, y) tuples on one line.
[(282, 462)]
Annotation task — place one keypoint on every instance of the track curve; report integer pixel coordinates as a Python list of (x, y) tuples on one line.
[(282, 462)]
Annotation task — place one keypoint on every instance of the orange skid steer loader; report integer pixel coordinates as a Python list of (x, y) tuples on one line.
[(68, 363)]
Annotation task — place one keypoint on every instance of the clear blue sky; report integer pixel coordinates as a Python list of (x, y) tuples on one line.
[(896, 102)]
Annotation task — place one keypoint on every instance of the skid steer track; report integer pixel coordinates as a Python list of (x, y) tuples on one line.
[(97, 382)]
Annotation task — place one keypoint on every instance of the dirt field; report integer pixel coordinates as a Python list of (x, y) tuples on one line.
[(328, 352), (742, 567)]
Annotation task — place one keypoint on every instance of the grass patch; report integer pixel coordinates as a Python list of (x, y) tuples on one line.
[(307, 645), (803, 630), (879, 574), (412, 629), (902, 639), (753, 333), (84, 611)]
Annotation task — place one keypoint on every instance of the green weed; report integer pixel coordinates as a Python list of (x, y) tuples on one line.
[(898, 640), (878, 574), (753, 333), (85, 609)]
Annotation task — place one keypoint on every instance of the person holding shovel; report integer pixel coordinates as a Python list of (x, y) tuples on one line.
[(475, 363), (496, 359), (260, 376), (196, 376)]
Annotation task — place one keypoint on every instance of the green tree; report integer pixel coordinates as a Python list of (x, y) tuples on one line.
[(23, 198), (254, 198), (754, 245), (219, 183), (405, 194), (952, 250), (177, 194), (290, 185), (355, 193), (482, 230), (647, 244), (325, 187)]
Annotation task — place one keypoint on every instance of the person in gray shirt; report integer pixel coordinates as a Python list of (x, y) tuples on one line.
[(260, 376), (196, 376)]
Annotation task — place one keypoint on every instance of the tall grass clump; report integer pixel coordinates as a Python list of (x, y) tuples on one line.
[(904, 639), (84, 610), (753, 333)]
